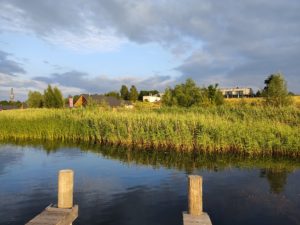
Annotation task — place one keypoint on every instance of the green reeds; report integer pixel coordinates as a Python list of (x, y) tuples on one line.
[(245, 130)]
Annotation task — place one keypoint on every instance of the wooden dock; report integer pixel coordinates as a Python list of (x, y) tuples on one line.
[(55, 216), (64, 213)]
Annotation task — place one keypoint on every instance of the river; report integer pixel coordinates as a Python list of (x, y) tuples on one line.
[(133, 187)]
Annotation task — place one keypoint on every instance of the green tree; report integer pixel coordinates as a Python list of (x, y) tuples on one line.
[(275, 91), (167, 98), (214, 95), (188, 94), (147, 93), (185, 95), (35, 99), (124, 92), (59, 100), (53, 97), (133, 94)]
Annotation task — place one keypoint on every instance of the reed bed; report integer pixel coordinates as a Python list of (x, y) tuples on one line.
[(237, 129)]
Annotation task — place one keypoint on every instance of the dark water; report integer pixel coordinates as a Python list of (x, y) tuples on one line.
[(120, 187)]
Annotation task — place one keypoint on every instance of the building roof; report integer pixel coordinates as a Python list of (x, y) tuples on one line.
[(109, 100)]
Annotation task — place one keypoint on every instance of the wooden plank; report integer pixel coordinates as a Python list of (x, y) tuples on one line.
[(55, 216), (202, 219)]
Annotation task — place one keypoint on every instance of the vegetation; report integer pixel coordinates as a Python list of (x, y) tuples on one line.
[(275, 91), (17, 104), (35, 99), (133, 95), (188, 94), (124, 92), (238, 129), (147, 93)]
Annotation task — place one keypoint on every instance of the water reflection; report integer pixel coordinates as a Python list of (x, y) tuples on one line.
[(276, 177), (131, 187)]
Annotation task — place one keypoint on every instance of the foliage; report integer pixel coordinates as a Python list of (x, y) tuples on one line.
[(124, 92), (188, 94), (245, 130), (133, 95), (53, 97), (147, 93), (35, 99), (214, 95), (11, 103), (275, 91)]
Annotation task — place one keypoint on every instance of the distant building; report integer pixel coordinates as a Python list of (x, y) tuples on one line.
[(84, 99), (71, 104), (151, 98), (237, 92)]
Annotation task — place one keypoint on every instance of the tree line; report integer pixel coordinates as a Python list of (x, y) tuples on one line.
[(51, 98), (186, 94)]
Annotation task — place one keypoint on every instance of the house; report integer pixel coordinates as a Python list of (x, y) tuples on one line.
[(84, 99), (237, 92), (151, 98)]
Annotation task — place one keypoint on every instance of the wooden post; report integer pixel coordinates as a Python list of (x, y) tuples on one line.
[(64, 213), (65, 189), (195, 195), (195, 214)]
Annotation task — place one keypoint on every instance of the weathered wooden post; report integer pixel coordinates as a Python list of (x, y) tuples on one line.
[(65, 189), (195, 214), (65, 212)]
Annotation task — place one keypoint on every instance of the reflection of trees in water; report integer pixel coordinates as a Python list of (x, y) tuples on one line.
[(276, 177), (275, 169)]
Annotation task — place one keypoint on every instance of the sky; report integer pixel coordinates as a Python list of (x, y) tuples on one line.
[(95, 46)]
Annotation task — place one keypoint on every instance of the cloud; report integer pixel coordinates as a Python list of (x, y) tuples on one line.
[(23, 85), (102, 84), (237, 43), (9, 66)]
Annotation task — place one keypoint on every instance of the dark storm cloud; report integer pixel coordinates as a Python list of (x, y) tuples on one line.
[(237, 41), (9, 66)]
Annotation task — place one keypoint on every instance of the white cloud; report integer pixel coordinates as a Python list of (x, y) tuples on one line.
[(23, 85)]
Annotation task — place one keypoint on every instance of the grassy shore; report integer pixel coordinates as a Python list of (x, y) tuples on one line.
[(239, 129)]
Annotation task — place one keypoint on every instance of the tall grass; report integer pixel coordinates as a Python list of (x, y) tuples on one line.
[(246, 130)]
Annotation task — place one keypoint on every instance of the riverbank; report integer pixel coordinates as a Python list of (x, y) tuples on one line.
[(249, 130)]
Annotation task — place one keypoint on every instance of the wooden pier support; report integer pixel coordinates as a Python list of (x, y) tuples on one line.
[(64, 213), (65, 189), (195, 214)]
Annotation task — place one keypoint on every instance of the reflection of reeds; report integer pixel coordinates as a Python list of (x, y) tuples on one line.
[(241, 129), (187, 161)]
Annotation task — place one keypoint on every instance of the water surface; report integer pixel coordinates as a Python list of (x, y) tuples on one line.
[(118, 186)]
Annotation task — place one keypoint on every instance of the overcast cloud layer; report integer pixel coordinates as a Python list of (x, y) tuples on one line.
[(234, 43)]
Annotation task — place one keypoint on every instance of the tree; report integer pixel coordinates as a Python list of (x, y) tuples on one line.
[(214, 95), (167, 98), (188, 94), (147, 93), (258, 93), (59, 100), (275, 91), (185, 95), (133, 95), (124, 92), (53, 97), (35, 99)]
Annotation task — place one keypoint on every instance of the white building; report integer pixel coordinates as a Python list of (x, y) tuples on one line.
[(237, 92), (151, 98)]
